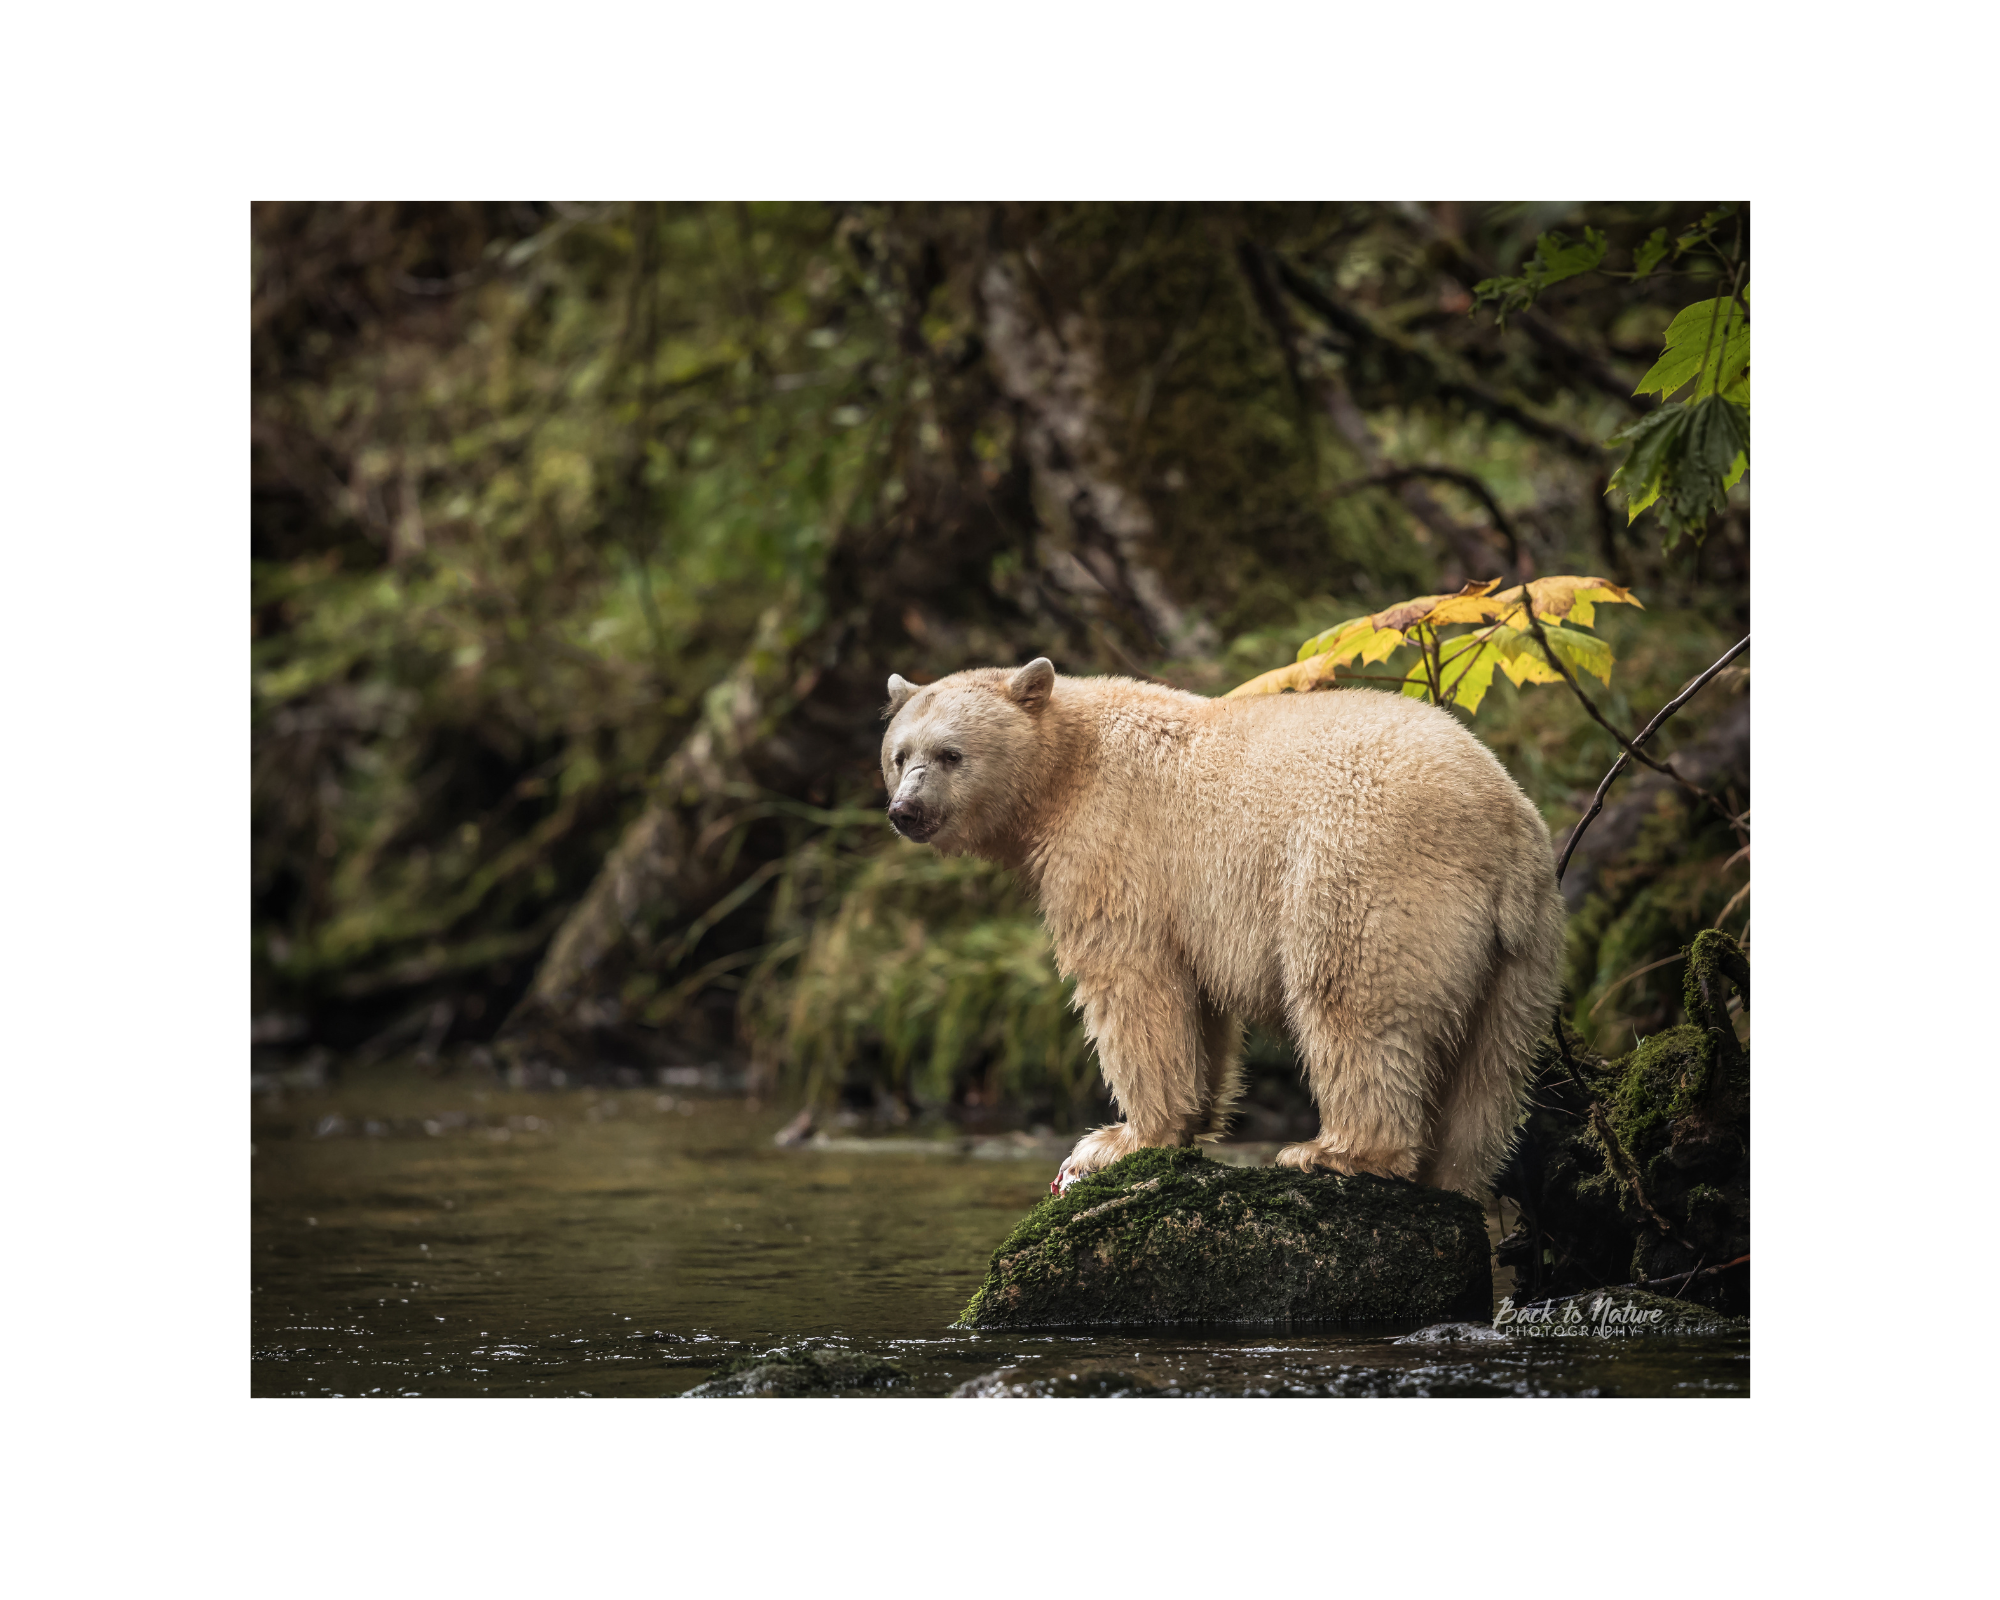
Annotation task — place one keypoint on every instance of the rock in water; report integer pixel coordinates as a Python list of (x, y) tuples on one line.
[(1167, 1236), (793, 1374)]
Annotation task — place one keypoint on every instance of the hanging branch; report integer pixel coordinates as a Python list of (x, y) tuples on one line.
[(1618, 766), (1623, 1164), (1664, 768)]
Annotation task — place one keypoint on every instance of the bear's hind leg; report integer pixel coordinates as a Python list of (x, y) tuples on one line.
[(1370, 1088), (1481, 1106), (1222, 1069)]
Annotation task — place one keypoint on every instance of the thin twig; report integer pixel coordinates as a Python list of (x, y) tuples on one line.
[(1688, 1277), (1650, 1284), (1733, 899), (1664, 768), (1681, 1293), (1471, 660), (1636, 972), (1618, 766), (1624, 1165)]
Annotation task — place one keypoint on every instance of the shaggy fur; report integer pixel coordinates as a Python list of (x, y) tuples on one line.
[(1353, 867)]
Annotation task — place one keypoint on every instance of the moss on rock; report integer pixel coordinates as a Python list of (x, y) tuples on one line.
[(1167, 1236)]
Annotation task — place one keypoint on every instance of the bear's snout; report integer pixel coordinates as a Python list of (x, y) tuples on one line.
[(909, 818)]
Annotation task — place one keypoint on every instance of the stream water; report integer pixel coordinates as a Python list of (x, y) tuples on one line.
[(427, 1238)]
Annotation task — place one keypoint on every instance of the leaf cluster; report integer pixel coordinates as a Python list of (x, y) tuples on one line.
[(1684, 457), (1557, 257), (1529, 634)]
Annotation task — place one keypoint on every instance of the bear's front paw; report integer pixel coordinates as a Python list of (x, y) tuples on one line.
[(1097, 1148)]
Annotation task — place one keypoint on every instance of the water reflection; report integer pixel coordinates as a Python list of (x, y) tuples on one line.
[(425, 1239)]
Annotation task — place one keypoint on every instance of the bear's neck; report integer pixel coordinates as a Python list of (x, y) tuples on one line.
[(1087, 719)]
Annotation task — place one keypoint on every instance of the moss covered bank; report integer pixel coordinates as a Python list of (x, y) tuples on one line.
[(1167, 1236)]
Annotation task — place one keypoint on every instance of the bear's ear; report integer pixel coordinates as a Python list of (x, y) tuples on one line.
[(1030, 687), (900, 690)]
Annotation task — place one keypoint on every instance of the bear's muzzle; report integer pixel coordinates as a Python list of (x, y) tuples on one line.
[(909, 817)]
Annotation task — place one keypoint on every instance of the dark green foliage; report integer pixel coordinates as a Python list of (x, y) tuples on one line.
[(1167, 1236), (1556, 258), (1683, 459)]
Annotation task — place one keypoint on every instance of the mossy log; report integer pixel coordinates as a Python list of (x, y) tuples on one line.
[(1166, 1236), (1638, 1169)]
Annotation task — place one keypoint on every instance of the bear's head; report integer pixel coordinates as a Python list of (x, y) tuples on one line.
[(961, 755)]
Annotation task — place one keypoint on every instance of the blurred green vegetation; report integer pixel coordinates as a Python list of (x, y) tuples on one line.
[(536, 489)]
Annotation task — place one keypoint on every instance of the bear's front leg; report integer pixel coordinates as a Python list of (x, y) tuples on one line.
[(1097, 1148), (1145, 1022)]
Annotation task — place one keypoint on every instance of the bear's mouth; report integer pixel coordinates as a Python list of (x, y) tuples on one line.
[(919, 827)]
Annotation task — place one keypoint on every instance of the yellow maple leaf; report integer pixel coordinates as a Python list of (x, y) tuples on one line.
[(1555, 598)]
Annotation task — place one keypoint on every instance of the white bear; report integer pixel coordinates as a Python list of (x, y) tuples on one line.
[(1351, 866)]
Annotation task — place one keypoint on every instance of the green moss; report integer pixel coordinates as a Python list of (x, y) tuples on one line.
[(1714, 962), (1661, 1080), (1167, 1236)]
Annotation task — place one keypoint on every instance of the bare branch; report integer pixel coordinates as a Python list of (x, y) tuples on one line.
[(1624, 1165), (1618, 766), (1450, 379), (1636, 972), (1664, 768)]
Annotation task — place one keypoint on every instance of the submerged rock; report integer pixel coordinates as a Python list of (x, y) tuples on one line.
[(1167, 1236), (797, 1373), (1455, 1333), (1095, 1383)]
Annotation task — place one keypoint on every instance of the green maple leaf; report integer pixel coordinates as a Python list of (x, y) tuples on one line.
[(1718, 329)]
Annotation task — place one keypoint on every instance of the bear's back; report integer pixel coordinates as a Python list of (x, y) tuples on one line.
[(1350, 738)]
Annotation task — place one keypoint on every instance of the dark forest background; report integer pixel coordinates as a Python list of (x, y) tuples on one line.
[(585, 536)]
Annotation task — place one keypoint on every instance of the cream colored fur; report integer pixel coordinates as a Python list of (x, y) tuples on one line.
[(1352, 867)]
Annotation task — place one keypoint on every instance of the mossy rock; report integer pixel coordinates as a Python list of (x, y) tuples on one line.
[(1167, 1236), (793, 1374)]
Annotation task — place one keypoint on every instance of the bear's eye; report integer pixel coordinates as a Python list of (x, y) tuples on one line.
[(898, 758), (951, 758)]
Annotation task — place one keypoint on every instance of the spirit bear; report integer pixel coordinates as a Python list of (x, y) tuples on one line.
[(1353, 867)]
